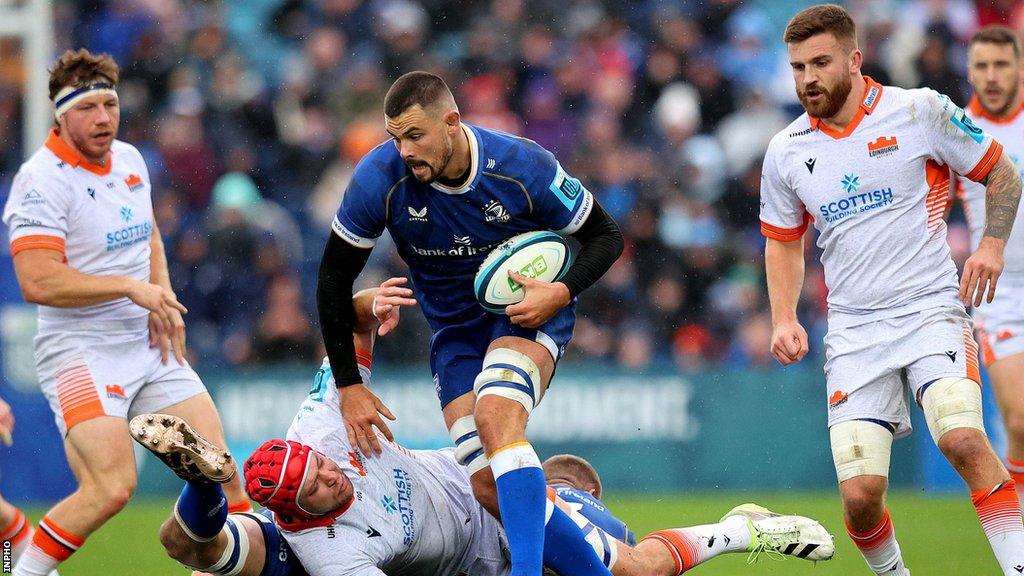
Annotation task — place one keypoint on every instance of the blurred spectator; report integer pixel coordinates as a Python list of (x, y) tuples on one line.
[(936, 70), (284, 333), (252, 115)]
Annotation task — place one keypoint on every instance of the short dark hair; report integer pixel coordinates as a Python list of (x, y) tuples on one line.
[(413, 88), (996, 34), (820, 19), (77, 67), (571, 467)]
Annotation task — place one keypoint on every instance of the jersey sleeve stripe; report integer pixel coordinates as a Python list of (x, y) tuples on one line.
[(984, 166), (35, 241), (785, 234), (350, 236), (581, 215)]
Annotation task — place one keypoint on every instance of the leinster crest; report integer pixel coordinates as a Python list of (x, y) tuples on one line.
[(494, 211)]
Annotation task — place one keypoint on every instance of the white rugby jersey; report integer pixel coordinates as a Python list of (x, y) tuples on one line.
[(99, 217), (876, 192), (413, 511), (1010, 132)]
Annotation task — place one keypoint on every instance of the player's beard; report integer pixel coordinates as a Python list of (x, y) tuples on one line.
[(1010, 99), (446, 157), (90, 149), (831, 102)]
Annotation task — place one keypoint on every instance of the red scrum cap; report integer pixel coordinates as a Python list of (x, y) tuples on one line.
[(274, 475)]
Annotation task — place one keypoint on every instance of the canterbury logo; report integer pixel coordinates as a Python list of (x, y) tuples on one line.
[(418, 215)]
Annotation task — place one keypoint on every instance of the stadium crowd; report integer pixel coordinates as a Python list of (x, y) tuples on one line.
[(252, 113)]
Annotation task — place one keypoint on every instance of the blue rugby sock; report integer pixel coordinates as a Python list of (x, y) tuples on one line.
[(521, 500), (201, 510), (567, 552)]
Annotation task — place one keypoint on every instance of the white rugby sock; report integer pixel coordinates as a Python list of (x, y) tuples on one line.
[(880, 549), (693, 545)]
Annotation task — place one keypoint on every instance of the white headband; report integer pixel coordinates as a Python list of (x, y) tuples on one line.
[(70, 95)]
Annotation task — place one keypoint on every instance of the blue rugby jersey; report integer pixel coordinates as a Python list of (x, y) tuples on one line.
[(444, 233), (594, 510)]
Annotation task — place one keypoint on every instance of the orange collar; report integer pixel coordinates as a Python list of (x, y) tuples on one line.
[(978, 111), (68, 154), (872, 95)]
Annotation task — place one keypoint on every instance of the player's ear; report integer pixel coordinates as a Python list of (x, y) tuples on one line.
[(856, 59), (451, 120)]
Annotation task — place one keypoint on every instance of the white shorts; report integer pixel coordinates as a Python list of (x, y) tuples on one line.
[(1001, 323), (489, 551), (870, 368), (108, 370)]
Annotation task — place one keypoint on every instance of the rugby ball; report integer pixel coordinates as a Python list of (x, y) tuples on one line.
[(541, 254)]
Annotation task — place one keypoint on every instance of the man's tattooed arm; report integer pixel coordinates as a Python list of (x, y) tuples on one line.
[(1002, 196)]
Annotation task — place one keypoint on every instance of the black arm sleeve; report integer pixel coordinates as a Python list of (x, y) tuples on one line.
[(341, 264), (600, 246)]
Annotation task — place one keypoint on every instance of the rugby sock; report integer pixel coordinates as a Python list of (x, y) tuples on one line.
[(695, 544), (999, 511), (201, 510), (521, 500), (879, 548), (17, 534), (50, 546), (566, 550), (1016, 468)]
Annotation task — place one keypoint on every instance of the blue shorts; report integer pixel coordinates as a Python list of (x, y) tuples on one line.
[(280, 560), (457, 351)]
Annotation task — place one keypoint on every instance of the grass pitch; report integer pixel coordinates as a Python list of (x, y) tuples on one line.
[(939, 535)]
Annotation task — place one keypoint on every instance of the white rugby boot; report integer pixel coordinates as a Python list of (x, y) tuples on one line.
[(778, 535), (185, 452)]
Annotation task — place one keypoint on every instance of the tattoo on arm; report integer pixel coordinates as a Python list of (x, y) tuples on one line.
[(1002, 196)]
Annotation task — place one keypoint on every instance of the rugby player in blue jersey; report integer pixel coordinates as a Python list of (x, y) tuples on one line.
[(448, 192)]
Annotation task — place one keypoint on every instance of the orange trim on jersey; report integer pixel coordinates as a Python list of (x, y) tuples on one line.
[(978, 111), (65, 152), (240, 506), (971, 356), (872, 95), (77, 394), (785, 234), (35, 241), (988, 355), (937, 199), (984, 166)]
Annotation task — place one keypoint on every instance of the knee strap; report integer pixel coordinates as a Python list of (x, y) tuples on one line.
[(469, 451), (511, 375), (235, 552), (860, 448), (950, 403)]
